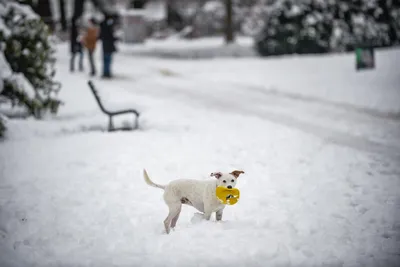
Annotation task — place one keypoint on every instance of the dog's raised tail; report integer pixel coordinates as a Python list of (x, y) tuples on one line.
[(150, 182)]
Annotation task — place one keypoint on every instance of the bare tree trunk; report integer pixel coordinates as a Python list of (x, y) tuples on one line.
[(229, 36), (62, 16), (44, 11)]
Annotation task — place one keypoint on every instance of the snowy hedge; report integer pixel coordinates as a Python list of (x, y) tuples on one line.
[(395, 15), (2, 126), (311, 26), (207, 18), (26, 59)]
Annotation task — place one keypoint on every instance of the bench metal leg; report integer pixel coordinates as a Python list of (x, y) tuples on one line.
[(136, 123), (110, 123)]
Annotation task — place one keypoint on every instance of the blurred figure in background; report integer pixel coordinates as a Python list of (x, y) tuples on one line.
[(108, 41), (90, 40), (76, 48)]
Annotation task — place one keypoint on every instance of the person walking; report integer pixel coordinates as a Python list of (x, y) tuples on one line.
[(89, 41), (108, 42), (76, 47)]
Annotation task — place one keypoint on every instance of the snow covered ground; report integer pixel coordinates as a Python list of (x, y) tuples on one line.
[(208, 47), (317, 140)]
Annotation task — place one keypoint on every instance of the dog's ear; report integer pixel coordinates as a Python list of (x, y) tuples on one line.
[(216, 174), (237, 173)]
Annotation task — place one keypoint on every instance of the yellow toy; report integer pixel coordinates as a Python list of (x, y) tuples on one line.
[(228, 196)]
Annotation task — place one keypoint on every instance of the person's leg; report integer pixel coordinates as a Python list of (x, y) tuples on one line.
[(109, 64), (106, 64), (81, 60), (72, 63), (92, 66)]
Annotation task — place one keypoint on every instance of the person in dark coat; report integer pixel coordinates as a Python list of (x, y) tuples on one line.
[(108, 42)]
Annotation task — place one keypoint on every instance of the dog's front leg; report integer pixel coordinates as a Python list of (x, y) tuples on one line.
[(207, 215), (207, 212), (218, 214)]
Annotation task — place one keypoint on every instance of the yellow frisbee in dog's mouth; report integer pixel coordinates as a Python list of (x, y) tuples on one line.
[(227, 196)]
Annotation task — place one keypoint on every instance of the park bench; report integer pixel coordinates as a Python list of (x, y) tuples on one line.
[(111, 114)]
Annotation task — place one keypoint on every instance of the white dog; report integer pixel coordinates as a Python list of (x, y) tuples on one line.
[(197, 193)]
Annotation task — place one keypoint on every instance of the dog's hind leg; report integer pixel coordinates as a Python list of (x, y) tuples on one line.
[(174, 211), (175, 219)]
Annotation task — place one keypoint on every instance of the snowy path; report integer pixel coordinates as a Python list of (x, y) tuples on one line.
[(320, 189), (358, 126), (336, 124)]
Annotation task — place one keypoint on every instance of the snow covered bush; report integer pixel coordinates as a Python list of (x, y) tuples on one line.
[(207, 18), (254, 21), (2, 126), (316, 26), (27, 59), (395, 19), (294, 27), (367, 22)]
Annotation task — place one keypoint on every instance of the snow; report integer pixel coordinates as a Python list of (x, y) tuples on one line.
[(18, 78), (320, 158), (209, 47), (4, 67), (155, 10), (311, 20), (294, 11), (23, 84), (5, 70), (152, 11), (319, 77), (213, 6), (4, 29), (25, 10)]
